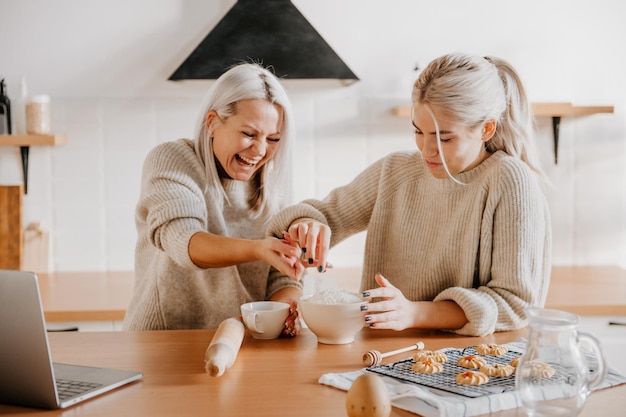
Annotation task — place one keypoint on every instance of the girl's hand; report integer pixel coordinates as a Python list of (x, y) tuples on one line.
[(282, 255), (314, 239), (394, 312)]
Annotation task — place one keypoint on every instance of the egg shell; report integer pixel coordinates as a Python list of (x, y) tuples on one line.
[(368, 397)]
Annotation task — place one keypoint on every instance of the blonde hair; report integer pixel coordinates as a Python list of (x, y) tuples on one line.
[(471, 90), (243, 82)]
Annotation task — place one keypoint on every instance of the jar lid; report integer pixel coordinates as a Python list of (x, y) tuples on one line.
[(40, 99)]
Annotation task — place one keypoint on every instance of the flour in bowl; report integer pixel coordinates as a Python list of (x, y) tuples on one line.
[(334, 296)]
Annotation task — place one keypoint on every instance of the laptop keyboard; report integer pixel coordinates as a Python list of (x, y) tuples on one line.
[(68, 389)]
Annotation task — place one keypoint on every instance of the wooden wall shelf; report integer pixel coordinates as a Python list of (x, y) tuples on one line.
[(539, 109), (554, 110), (25, 142), (567, 109), (32, 140)]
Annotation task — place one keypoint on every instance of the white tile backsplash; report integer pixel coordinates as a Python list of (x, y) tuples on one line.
[(38, 212), (72, 163), (129, 137), (339, 158), (122, 190), (80, 250), (178, 114), (78, 112), (120, 250), (10, 166), (78, 191), (80, 218), (389, 137), (120, 219), (139, 112), (126, 163), (88, 137)]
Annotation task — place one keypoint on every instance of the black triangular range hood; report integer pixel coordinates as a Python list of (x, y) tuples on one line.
[(271, 32)]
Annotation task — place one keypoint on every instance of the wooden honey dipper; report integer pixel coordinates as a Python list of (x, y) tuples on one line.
[(374, 357)]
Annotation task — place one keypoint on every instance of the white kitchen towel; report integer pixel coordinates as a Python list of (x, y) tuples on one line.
[(427, 403)]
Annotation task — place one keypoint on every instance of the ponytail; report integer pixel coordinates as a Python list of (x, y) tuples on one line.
[(514, 132)]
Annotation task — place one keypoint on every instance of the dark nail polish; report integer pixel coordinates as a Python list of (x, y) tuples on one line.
[(310, 261), (363, 308), (366, 294), (320, 269), (372, 324), (368, 318), (304, 250)]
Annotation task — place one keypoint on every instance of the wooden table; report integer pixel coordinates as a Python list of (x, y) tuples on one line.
[(270, 378), (100, 296)]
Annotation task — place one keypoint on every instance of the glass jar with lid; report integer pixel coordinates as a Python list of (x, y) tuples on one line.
[(38, 115)]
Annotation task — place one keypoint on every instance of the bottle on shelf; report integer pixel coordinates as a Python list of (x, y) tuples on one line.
[(5, 110), (19, 110)]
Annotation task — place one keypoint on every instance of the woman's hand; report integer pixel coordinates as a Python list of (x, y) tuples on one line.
[(289, 295), (292, 324), (314, 239), (282, 255), (393, 312)]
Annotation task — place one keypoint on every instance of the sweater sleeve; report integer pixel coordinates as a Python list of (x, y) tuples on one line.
[(172, 205), (347, 210), (277, 281), (515, 272)]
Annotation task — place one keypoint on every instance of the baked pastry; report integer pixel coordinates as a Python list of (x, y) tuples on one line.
[(515, 361), (427, 366), (471, 378), (435, 355), (497, 369), (491, 349), (471, 362), (541, 370)]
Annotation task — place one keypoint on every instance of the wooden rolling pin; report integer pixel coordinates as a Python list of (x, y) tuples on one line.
[(224, 347)]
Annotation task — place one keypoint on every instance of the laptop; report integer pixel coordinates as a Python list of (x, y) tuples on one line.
[(28, 377)]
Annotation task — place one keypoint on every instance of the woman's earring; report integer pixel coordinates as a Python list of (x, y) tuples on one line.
[(489, 129)]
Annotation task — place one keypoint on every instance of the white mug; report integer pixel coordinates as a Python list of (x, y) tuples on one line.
[(265, 319)]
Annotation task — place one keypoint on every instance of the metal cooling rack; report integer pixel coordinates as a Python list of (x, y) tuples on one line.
[(445, 380)]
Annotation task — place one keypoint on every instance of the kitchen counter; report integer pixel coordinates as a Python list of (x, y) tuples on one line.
[(85, 296)]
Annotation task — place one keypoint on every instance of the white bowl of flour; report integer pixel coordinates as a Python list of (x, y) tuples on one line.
[(334, 315)]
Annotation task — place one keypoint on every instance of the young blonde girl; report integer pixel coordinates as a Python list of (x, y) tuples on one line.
[(458, 232)]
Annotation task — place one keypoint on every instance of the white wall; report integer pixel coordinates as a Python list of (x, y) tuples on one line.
[(106, 64)]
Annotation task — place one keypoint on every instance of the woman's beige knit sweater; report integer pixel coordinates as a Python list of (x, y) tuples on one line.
[(170, 291), (485, 245)]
